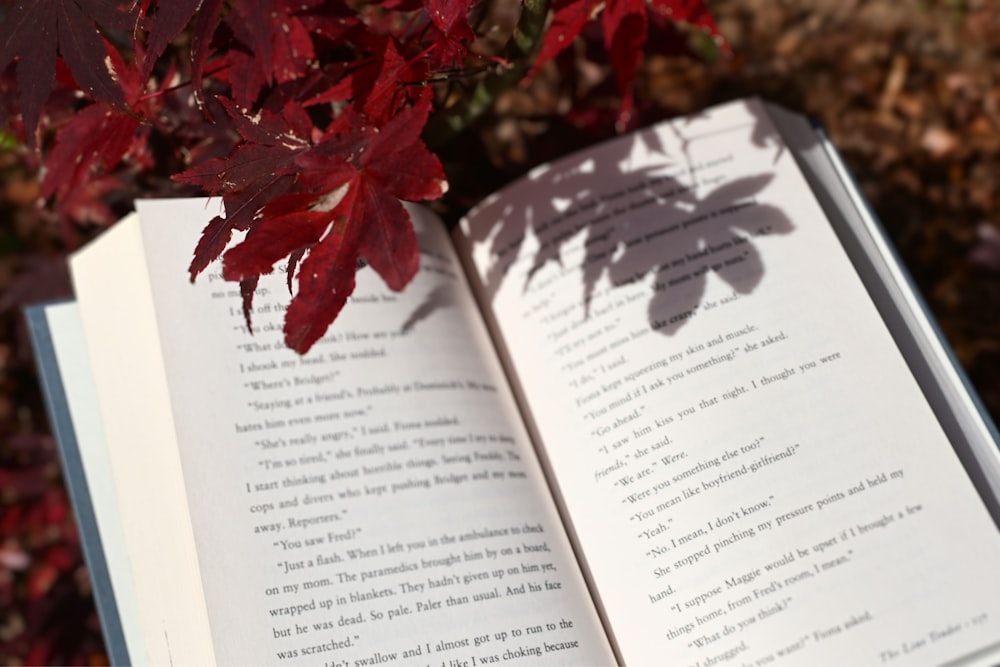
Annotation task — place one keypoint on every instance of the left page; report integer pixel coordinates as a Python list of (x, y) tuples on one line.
[(375, 500)]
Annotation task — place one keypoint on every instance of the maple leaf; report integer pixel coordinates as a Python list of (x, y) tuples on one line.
[(286, 225), (326, 280), (34, 32), (451, 19), (374, 168), (256, 171), (624, 23), (243, 74), (88, 203), (693, 12), (337, 198), (332, 21), (292, 44), (170, 18), (625, 26), (95, 140), (241, 208), (206, 21), (378, 87), (279, 48), (569, 19)]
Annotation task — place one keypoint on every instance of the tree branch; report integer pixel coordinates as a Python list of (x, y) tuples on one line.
[(450, 122)]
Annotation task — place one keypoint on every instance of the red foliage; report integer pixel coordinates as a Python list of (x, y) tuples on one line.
[(305, 116), (34, 31)]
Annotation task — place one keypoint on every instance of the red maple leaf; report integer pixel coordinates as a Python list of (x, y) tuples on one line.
[(164, 25), (625, 24), (286, 225), (332, 21), (326, 280), (693, 12), (34, 32), (278, 45), (206, 22), (94, 141), (381, 85), (255, 172), (570, 17), (450, 18), (349, 208)]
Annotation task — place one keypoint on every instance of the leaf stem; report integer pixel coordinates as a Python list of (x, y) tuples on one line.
[(178, 86)]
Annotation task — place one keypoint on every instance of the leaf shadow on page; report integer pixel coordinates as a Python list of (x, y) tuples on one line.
[(616, 219), (440, 297), (716, 238)]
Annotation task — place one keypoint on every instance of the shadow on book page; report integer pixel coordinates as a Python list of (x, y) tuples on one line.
[(642, 209)]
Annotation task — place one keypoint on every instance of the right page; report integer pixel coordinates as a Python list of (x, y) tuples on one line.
[(752, 474)]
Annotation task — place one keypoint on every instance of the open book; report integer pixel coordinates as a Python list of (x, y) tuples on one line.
[(670, 400)]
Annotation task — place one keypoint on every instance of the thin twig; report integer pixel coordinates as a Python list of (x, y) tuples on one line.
[(451, 122)]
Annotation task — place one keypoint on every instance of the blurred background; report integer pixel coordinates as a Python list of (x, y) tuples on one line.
[(908, 90)]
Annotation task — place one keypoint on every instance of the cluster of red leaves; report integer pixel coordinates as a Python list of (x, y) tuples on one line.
[(625, 25), (305, 117)]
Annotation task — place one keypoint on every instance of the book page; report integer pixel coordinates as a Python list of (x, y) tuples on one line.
[(752, 473), (116, 309), (375, 500)]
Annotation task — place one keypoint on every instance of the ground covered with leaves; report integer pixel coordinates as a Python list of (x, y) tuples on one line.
[(908, 90)]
